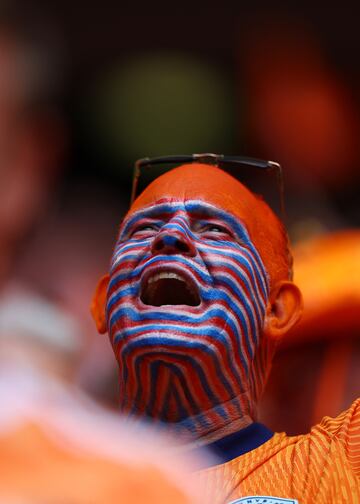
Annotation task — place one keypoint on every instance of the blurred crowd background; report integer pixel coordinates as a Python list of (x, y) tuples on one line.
[(85, 91)]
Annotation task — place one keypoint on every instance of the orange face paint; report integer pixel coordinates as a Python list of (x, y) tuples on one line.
[(198, 181)]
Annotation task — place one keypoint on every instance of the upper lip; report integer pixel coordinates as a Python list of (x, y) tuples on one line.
[(182, 287)]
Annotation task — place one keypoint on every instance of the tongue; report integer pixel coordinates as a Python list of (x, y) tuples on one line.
[(168, 291)]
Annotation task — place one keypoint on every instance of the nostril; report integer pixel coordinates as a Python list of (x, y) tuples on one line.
[(158, 245), (182, 246), (170, 244)]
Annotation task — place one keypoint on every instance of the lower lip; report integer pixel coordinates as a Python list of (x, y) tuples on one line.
[(167, 307)]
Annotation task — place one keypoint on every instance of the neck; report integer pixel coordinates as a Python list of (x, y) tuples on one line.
[(213, 424), (195, 418)]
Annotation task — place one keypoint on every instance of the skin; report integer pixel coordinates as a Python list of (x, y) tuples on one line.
[(198, 366)]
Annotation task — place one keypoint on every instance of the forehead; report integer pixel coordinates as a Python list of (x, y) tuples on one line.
[(192, 210), (218, 189)]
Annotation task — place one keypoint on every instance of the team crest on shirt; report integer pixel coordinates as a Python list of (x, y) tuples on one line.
[(263, 499)]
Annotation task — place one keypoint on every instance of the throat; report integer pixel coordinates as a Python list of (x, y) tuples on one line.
[(176, 402)]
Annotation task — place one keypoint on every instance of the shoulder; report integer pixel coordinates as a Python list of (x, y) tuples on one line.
[(347, 424), (345, 429)]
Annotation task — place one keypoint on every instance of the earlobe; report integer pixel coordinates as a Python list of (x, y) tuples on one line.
[(98, 304), (284, 309)]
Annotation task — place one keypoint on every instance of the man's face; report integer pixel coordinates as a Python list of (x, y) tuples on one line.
[(187, 294)]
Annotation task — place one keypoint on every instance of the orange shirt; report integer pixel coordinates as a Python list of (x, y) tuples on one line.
[(58, 447), (37, 469), (321, 467)]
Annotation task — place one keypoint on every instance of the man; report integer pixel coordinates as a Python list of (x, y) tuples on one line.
[(198, 294)]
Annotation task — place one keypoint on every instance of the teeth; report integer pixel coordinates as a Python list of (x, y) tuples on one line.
[(159, 276)]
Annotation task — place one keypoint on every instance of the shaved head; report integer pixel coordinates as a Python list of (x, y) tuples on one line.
[(198, 181)]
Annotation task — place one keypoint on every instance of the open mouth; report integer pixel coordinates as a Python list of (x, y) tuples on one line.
[(169, 288)]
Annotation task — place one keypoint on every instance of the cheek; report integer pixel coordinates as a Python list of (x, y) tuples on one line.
[(124, 284), (224, 262), (235, 273), (127, 256)]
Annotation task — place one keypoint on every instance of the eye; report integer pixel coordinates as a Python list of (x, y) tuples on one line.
[(144, 229), (216, 229), (213, 228)]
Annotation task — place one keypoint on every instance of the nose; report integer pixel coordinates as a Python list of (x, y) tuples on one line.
[(173, 243)]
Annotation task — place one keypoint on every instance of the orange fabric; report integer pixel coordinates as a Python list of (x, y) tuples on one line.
[(321, 467), (34, 468), (204, 182)]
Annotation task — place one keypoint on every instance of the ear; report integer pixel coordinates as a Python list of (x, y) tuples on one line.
[(284, 309), (98, 304)]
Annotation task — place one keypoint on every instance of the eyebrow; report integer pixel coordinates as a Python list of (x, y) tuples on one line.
[(208, 210), (200, 208)]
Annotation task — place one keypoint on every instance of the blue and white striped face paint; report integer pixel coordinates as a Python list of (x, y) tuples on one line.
[(185, 311)]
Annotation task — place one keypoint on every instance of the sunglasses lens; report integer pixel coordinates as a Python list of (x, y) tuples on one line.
[(259, 176), (259, 181), (150, 172)]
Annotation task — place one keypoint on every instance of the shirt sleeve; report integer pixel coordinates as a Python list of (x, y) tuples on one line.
[(346, 427)]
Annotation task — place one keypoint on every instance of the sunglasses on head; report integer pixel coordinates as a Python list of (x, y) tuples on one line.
[(224, 162)]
